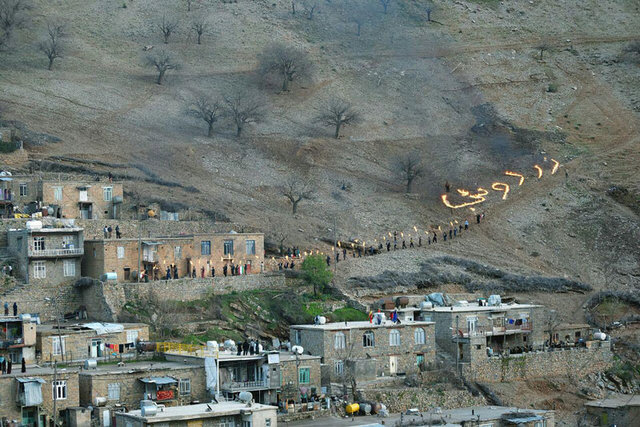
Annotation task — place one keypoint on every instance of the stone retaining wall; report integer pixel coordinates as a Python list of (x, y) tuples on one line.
[(401, 399), (105, 301), (574, 362)]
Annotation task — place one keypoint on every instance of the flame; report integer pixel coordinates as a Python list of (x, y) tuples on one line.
[(415, 228), (539, 169), (545, 158), (338, 244), (478, 197), (455, 220), (501, 186), (401, 234), (472, 209), (509, 173), (555, 166), (389, 234)]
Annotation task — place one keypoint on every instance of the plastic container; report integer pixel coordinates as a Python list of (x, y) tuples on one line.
[(352, 408), (402, 301), (90, 364)]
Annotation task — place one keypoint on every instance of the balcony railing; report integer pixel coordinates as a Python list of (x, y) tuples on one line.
[(497, 330), (55, 252), (244, 385), (8, 343)]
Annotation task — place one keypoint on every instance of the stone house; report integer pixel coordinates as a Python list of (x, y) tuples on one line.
[(396, 347), (47, 254), (620, 410), (300, 377), (91, 340), (29, 397), (18, 339), (17, 192), (118, 388), (221, 414), (198, 251)]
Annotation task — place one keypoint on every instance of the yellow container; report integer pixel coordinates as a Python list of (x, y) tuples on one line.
[(353, 408)]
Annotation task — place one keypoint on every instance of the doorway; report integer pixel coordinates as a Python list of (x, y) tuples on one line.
[(86, 211), (393, 365), (96, 348)]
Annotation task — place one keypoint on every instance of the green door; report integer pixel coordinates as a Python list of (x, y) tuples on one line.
[(30, 416)]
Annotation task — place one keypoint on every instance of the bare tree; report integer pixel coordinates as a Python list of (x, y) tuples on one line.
[(293, 7), (286, 62), (296, 190), (429, 8), (52, 45), (163, 61), (167, 26), (551, 323), (310, 7), (337, 113), (408, 167), (346, 358), (13, 16), (207, 109), (200, 26), (543, 46), (385, 4), (243, 109)]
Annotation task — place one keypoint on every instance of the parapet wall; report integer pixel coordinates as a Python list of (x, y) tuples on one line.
[(105, 301), (572, 363)]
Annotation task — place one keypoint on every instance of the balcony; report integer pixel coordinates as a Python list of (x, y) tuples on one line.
[(4, 344), (245, 385), (497, 330), (44, 253)]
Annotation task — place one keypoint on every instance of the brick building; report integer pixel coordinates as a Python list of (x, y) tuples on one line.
[(80, 341), (221, 414), (49, 254), (64, 198), (186, 252), (29, 397), (119, 388), (18, 339), (395, 347)]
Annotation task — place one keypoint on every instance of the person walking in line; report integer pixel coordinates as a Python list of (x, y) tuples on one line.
[(435, 237), (447, 187), (388, 246), (337, 257), (6, 308), (118, 234), (395, 245), (175, 271), (455, 232), (478, 218), (460, 227), (213, 271), (466, 224), (328, 260), (444, 236), (404, 244), (420, 241), (411, 242), (202, 272), (224, 270), (168, 275), (450, 233), (105, 230), (109, 230), (15, 308), (429, 240), (344, 254)]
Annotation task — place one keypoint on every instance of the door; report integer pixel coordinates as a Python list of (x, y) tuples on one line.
[(29, 416), (86, 211), (393, 364), (96, 348)]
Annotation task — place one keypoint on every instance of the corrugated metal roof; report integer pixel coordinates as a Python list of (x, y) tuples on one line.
[(158, 380)]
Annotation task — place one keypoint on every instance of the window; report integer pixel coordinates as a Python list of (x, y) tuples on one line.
[(132, 336), (338, 367), (59, 389), (251, 247), (296, 337), (304, 375), (107, 193), (226, 422), (57, 193), (228, 247), (69, 267), (205, 247), (368, 339), (57, 346), (267, 422), (177, 252), (67, 241), (114, 391), (38, 243), (339, 341), (542, 423), (23, 189), (39, 270), (418, 335), (120, 252), (247, 423), (420, 359), (394, 337), (185, 386), (472, 323)]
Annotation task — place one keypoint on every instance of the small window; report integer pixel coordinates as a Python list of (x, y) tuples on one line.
[(107, 193), (113, 391), (251, 247), (57, 193), (267, 422), (185, 386), (69, 267), (338, 367), (419, 336), (120, 252), (59, 389), (297, 339), (67, 241), (23, 190), (57, 346), (205, 247), (39, 270), (420, 359), (177, 252), (368, 339), (394, 338), (339, 341), (38, 243), (304, 375), (228, 247)]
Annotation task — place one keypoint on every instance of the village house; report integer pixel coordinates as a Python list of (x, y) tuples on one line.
[(47, 252), (18, 339), (110, 389), (616, 410), (28, 397), (61, 198), (201, 252), (488, 416), (396, 348), (205, 414), (91, 340)]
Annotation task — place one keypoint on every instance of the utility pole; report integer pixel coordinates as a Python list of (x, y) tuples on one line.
[(457, 346), (55, 391), (139, 239), (335, 245)]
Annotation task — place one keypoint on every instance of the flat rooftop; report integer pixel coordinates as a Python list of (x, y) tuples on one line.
[(79, 328), (138, 367), (37, 371), (336, 326), (619, 401), (473, 306), (158, 239), (227, 356), (199, 411), (49, 230)]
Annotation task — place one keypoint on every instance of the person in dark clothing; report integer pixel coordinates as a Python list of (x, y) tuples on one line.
[(450, 233), (395, 235), (388, 246), (118, 234), (110, 177), (6, 308), (435, 237), (328, 260), (224, 270), (24, 366), (337, 257), (245, 348), (15, 308), (460, 227), (292, 265), (175, 271), (478, 218), (202, 272), (280, 266), (359, 252), (286, 265), (168, 275), (213, 271), (455, 232), (251, 348), (404, 244), (444, 236), (240, 344), (109, 230), (429, 240), (466, 224), (395, 245), (411, 242), (380, 247), (447, 187), (193, 273), (344, 254), (420, 241), (371, 250)]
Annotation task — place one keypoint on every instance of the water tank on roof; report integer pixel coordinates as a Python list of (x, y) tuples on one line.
[(601, 336), (245, 397), (90, 364), (212, 346), (320, 320), (229, 344), (297, 349), (111, 275), (426, 305), (148, 408), (379, 318), (495, 300), (462, 303), (26, 317), (34, 225), (100, 401)]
